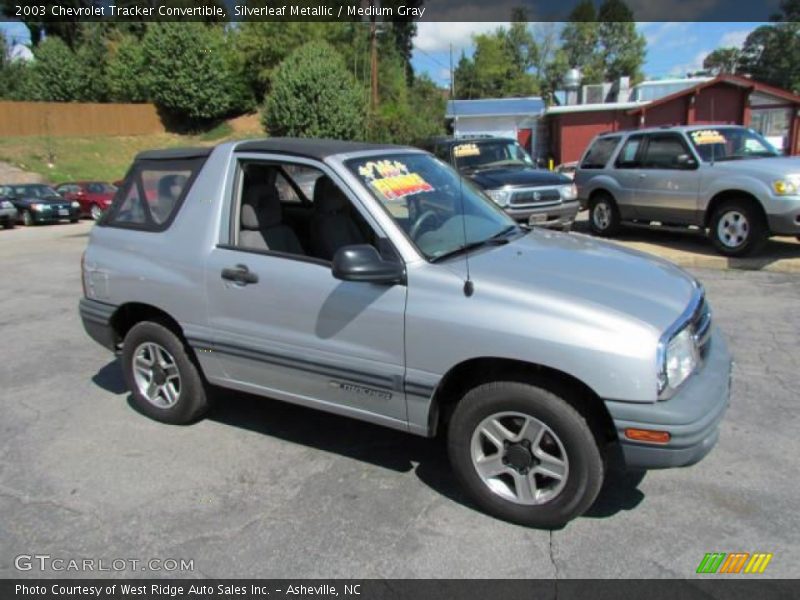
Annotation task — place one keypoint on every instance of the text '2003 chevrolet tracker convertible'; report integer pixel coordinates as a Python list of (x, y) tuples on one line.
[(372, 281)]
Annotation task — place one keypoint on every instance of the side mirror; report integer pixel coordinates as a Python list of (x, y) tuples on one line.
[(362, 262), (686, 161)]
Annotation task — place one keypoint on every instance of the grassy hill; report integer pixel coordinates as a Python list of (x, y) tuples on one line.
[(60, 159)]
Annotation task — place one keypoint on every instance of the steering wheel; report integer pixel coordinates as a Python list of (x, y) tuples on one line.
[(417, 226)]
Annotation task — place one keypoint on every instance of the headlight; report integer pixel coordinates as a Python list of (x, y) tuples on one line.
[(568, 192), (38, 206), (680, 360), (788, 186), (500, 197), (6, 204), (75, 204)]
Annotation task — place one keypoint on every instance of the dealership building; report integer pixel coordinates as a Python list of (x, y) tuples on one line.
[(562, 132)]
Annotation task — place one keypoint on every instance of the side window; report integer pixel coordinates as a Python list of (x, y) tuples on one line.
[(272, 217), (600, 152), (662, 152), (152, 194), (442, 152), (628, 156)]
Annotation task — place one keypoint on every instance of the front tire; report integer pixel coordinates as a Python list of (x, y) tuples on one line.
[(8, 224), (165, 382), (738, 229), (96, 212), (524, 455), (604, 219), (27, 218)]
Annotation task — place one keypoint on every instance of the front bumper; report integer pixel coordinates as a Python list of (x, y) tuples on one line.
[(8, 215), (96, 317), (692, 416), (52, 216), (556, 216), (784, 216)]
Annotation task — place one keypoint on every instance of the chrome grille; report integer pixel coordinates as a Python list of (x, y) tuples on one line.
[(535, 196)]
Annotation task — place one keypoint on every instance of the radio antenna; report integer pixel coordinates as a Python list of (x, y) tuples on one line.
[(469, 288)]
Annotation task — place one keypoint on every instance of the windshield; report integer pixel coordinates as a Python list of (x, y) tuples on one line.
[(492, 153), (730, 143), (431, 202), (34, 191)]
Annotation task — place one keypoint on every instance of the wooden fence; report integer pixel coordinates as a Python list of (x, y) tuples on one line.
[(77, 119)]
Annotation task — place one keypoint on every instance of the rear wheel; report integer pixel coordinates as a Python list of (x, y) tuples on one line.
[(738, 228), (164, 381), (604, 217), (524, 454)]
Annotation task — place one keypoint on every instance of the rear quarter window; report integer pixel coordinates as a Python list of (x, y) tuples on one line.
[(599, 153), (152, 194)]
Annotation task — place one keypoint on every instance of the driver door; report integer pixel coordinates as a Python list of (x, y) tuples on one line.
[(290, 330)]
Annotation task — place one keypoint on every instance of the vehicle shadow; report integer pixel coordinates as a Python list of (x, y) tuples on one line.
[(379, 446)]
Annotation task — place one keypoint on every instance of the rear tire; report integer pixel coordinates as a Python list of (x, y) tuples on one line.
[(604, 219), (512, 484), (738, 228), (165, 383)]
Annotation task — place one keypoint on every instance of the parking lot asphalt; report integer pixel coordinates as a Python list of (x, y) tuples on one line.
[(265, 489)]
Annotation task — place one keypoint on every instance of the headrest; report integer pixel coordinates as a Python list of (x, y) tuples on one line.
[(170, 186), (328, 198), (262, 207)]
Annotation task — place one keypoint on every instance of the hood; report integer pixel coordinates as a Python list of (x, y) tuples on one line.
[(777, 166), (517, 177), (576, 272)]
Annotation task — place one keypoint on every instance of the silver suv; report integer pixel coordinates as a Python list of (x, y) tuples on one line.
[(726, 179), (397, 294)]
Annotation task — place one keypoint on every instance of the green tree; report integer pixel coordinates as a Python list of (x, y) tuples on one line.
[(723, 60), (580, 38), (13, 74), (192, 72), (622, 48), (126, 70), (57, 74), (771, 53), (314, 95)]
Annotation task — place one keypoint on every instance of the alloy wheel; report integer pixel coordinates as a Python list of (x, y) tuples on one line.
[(156, 375)]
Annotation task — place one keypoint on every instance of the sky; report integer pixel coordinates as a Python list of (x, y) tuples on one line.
[(673, 48)]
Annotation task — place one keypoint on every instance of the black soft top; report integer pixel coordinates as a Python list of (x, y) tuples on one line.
[(312, 148), (306, 147)]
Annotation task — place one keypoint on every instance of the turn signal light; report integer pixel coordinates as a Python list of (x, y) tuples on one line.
[(646, 435)]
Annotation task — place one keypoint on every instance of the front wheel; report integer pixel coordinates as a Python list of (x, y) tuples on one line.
[(604, 216), (8, 224), (96, 212), (738, 229), (27, 218), (524, 454), (164, 381)]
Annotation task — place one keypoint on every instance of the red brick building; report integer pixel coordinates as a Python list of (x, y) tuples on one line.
[(725, 99)]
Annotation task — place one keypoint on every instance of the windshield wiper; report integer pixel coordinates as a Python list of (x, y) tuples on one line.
[(498, 239)]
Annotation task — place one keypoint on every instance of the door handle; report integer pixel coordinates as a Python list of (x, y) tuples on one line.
[(239, 274), (642, 175)]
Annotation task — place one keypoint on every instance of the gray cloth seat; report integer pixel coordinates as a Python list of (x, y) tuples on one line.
[(262, 226), (332, 227)]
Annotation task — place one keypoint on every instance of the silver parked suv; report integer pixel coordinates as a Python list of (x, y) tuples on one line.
[(726, 179), (395, 293)]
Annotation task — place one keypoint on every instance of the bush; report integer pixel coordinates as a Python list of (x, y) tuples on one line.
[(314, 95), (191, 71)]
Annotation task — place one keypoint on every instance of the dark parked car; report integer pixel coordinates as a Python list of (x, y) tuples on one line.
[(39, 203), (94, 197), (509, 176)]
